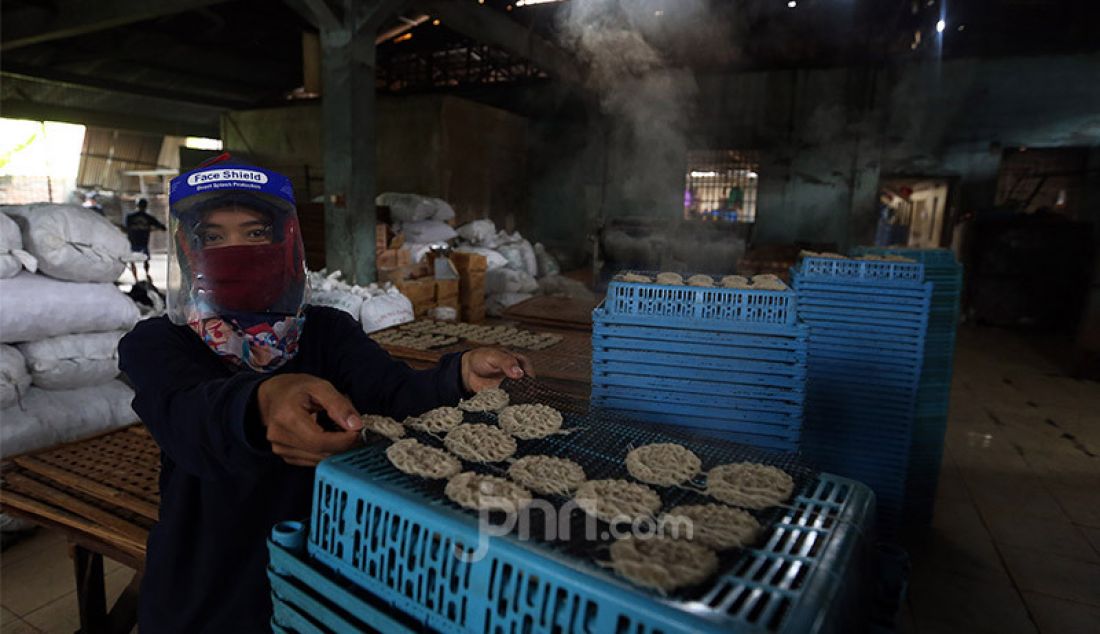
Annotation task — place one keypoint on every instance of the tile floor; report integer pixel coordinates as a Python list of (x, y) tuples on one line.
[(1015, 545)]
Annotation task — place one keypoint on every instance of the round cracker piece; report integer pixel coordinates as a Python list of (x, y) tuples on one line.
[(480, 443), (530, 421), (700, 280), (487, 493), (437, 421), (715, 526), (383, 426), (547, 475), (749, 485), (617, 500), (663, 464), (662, 563), (414, 458), (490, 400), (670, 279)]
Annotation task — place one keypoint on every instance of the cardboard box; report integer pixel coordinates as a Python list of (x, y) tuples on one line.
[(473, 314), (386, 259), (419, 292), (404, 256), (446, 289), (381, 237), (469, 262)]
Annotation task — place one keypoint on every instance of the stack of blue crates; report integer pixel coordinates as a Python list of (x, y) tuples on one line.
[(934, 393), (865, 355), (722, 362)]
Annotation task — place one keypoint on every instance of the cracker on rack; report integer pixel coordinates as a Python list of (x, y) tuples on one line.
[(383, 426), (734, 281), (414, 458), (636, 278), (617, 500), (662, 563), (480, 443), (437, 421), (530, 421), (749, 485), (547, 475), (487, 493), (715, 526), (493, 399), (700, 280), (672, 279), (663, 464)]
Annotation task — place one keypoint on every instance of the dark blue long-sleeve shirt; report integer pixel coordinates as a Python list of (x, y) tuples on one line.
[(221, 487)]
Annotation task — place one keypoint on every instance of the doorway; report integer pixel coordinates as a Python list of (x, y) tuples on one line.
[(912, 212)]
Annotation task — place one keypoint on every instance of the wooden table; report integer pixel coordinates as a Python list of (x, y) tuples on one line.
[(102, 494), (565, 313), (567, 365)]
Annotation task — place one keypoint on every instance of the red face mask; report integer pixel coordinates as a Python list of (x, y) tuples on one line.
[(245, 278)]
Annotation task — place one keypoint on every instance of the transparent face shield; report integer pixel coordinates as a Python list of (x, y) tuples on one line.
[(235, 254)]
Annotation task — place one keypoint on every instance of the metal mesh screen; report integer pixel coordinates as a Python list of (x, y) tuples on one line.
[(721, 185)]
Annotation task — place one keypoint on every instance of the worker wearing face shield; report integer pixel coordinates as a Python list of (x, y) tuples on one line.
[(246, 387)]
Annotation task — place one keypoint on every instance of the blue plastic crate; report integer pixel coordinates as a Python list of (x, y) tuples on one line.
[(702, 388), (790, 405), (657, 363), (374, 527), (694, 304), (599, 366), (860, 270)]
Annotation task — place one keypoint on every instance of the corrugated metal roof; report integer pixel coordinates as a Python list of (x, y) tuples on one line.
[(108, 153)]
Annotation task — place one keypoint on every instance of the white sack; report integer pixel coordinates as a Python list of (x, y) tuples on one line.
[(493, 258), (496, 304), (67, 362), (12, 256), (505, 280), (414, 208), (69, 414), (418, 250), (14, 378), (478, 232), (36, 307), (72, 243), (565, 287), (547, 264), (389, 309), (350, 303), (21, 431), (428, 232)]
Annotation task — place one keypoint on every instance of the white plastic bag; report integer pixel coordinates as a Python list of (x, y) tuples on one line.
[(506, 280), (548, 265), (72, 243), (21, 431), (14, 378), (496, 304), (493, 258), (12, 256), (414, 208), (67, 362), (478, 232), (350, 303), (418, 250), (388, 309), (428, 232), (35, 307), (66, 415)]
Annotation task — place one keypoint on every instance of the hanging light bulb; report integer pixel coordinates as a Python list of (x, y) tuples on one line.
[(940, 26)]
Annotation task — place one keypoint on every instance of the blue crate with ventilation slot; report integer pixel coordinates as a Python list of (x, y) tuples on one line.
[(861, 271), (694, 305), (380, 556)]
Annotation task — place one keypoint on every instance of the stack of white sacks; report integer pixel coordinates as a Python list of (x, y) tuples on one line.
[(60, 322), (375, 307)]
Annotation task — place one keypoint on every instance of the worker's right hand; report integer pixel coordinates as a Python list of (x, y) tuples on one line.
[(289, 404)]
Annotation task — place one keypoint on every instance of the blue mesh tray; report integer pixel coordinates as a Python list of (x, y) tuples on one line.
[(694, 305), (789, 406), (776, 438), (912, 326), (869, 271), (658, 362), (701, 374), (729, 350), (870, 293), (396, 537), (765, 336), (740, 420), (689, 386)]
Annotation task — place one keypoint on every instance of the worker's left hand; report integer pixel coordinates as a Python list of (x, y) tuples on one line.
[(483, 368)]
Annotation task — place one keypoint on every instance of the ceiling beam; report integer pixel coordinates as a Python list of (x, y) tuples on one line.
[(21, 109), (104, 84), (70, 18), (489, 26)]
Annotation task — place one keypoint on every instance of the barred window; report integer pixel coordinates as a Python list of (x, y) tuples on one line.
[(721, 185)]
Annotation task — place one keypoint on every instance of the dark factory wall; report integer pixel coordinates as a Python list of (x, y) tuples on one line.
[(824, 138)]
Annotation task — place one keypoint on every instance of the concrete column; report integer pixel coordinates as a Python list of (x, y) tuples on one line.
[(350, 158)]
